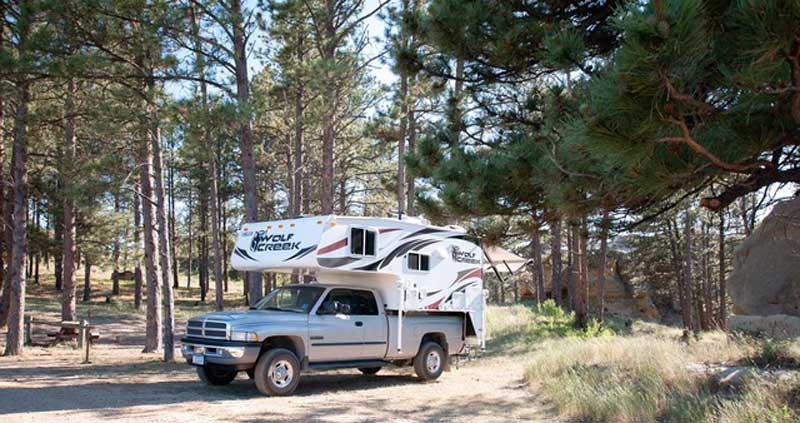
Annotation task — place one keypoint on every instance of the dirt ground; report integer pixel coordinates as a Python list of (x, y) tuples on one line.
[(50, 384)]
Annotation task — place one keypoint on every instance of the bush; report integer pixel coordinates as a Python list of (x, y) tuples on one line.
[(521, 327)]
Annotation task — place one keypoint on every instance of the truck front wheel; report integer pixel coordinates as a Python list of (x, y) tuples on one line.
[(213, 375), (429, 362), (277, 372)]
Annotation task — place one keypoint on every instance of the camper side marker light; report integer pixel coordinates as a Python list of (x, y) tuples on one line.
[(291, 225), (333, 223), (319, 222), (280, 226)]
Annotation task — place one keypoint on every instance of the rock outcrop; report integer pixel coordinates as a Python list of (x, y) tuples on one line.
[(775, 326), (766, 266)]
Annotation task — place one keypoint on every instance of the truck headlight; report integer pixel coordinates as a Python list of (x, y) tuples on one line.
[(244, 336)]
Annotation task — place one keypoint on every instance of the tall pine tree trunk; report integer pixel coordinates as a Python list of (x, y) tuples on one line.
[(191, 243), (245, 135), (154, 317), (168, 321), (708, 301), (87, 278), (537, 260), (578, 291), (68, 280), (115, 253), (172, 222), (604, 225), (555, 260), (15, 336), (299, 131), (137, 240), (401, 140), (723, 297), (688, 276), (331, 102), (411, 208)]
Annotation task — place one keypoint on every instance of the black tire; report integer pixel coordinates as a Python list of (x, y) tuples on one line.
[(216, 376), (282, 361), (429, 370), (369, 370)]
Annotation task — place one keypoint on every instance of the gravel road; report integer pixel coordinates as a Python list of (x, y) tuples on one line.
[(122, 384)]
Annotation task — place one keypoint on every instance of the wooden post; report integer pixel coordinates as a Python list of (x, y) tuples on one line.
[(85, 339), (82, 333)]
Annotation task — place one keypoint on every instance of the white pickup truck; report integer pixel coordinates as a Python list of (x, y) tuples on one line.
[(305, 327), (387, 292)]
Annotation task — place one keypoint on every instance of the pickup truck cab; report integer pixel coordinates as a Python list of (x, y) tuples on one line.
[(296, 328)]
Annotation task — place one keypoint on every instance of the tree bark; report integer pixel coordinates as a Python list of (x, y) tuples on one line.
[(299, 131), (172, 222), (688, 285), (571, 270), (87, 279), (154, 317), (68, 253), (555, 260), (168, 321), (708, 301), (331, 103), (15, 336), (577, 275), (401, 141), (723, 298), (137, 240), (604, 226), (38, 254), (191, 242), (537, 260), (57, 216), (115, 253), (245, 135)]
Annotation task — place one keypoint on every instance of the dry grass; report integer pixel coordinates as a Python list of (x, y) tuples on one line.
[(645, 377)]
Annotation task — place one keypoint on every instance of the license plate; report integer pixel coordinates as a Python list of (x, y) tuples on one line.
[(198, 359)]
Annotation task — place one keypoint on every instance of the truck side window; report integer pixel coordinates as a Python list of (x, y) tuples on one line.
[(419, 262), (361, 303), (362, 242)]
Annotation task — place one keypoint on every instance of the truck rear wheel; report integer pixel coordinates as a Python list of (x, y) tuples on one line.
[(369, 370), (277, 372), (429, 362), (213, 375)]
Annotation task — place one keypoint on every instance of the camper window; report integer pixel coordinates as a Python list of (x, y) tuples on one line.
[(419, 262), (362, 242)]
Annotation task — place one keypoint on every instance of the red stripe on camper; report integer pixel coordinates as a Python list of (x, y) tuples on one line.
[(477, 273), (333, 247), (384, 230)]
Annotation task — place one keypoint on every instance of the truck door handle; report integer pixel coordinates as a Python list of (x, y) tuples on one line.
[(359, 324)]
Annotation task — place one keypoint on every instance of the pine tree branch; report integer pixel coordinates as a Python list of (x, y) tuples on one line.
[(704, 108), (689, 140), (755, 182)]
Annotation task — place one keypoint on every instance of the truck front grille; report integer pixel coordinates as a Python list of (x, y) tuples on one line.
[(207, 329)]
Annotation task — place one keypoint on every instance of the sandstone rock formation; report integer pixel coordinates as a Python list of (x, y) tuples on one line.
[(766, 266)]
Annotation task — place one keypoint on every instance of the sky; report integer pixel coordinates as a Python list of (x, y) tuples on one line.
[(374, 26)]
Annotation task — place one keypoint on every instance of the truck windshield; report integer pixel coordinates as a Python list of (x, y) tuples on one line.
[(295, 299)]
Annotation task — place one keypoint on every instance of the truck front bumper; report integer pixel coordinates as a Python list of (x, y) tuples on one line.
[(235, 354)]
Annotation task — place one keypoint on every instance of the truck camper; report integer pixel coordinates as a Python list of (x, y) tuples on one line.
[(384, 292)]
